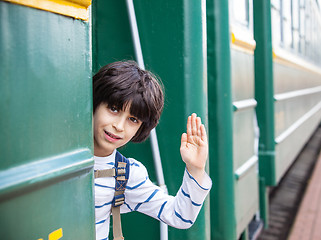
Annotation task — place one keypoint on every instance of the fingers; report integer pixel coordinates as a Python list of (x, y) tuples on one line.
[(198, 126), (203, 133), (189, 126), (195, 127), (183, 139)]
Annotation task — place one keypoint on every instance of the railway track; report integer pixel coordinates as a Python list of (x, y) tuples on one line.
[(285, 199)]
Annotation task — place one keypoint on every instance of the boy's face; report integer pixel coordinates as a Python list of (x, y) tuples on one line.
[(112, 129)]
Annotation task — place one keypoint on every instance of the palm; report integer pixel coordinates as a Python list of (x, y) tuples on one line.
[(194, 146)]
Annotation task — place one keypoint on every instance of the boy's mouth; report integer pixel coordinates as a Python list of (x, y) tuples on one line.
[(112, 136)]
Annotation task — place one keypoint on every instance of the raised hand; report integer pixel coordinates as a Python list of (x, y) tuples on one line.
[(194, 147)]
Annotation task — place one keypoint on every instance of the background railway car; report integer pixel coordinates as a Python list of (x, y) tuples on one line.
[(296, 78), (254, 79), (288, 94)]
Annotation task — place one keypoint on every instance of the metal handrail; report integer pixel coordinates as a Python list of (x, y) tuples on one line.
[(244, 104), (298, 123), (153, 136), (298, 93), (244, 169)]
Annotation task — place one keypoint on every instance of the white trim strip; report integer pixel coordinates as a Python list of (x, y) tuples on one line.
[(298, 123), (241, 171), (299, 93), (244, 104)]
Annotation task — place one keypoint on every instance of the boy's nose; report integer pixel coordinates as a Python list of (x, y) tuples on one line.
[(119, 124)]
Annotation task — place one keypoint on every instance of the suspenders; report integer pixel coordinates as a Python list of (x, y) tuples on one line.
[(121, 174)]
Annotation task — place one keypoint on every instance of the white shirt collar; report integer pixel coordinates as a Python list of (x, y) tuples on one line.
[(104, 160)]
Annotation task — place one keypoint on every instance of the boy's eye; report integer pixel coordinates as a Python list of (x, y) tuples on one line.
[(134, 120), (113, 109)]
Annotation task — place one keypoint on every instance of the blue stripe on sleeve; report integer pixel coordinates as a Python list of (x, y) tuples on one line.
[(161, 210), (104, 238), (138, 185), (184, 220), (191, 177), (105, 204), (147, 200), (188, 196), (128, 206), (102, 221), (134, 164), (185, 194)]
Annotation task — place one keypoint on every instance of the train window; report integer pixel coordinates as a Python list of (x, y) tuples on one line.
[(286, 27), (308, 27), (241, 20), (241, 11), (295, 25), (276, 20), (314, 35), (302, 26)]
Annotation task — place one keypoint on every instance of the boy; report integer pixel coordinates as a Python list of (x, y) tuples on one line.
[(127, 104)]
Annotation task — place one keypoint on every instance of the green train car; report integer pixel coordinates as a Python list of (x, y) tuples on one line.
[(250, 69), (46, 122)]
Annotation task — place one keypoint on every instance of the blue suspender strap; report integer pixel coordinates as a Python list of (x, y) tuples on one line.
[(122, 174)]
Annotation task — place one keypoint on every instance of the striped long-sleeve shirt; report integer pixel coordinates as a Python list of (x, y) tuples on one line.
[(144, 196)]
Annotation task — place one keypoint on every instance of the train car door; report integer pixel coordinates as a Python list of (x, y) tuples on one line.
[(46, 176)]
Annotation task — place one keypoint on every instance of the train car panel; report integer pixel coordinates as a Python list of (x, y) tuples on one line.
[(287, 148), (39, 67), (42, 208), (244, 137), (46, 180), (244, 127), (242, 72), (294, 102), (247, 204), (289, 71), (245, 169)]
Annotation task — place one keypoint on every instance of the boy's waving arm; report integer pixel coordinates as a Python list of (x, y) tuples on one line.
[(194, 147), (182, 210)]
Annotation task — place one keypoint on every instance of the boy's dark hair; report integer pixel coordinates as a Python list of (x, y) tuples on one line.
[(121, 83)]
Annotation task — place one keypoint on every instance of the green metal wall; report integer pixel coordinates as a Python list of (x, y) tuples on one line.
[(172, 40), (264, 89), (220, 111), (46, 181), (235, 194), (265, 103)]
